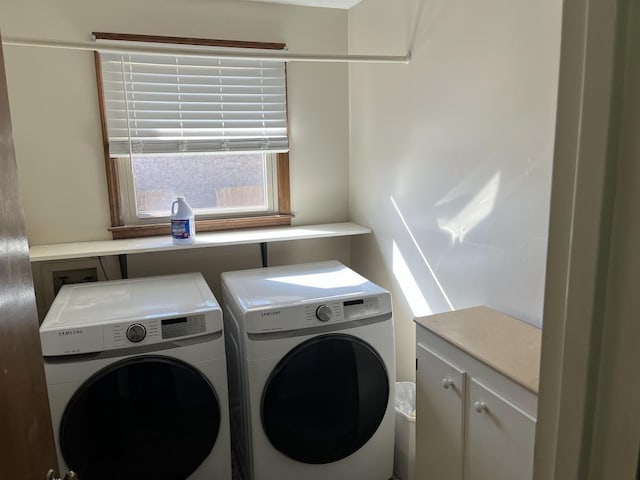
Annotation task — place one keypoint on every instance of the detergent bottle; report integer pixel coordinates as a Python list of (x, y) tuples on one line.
[(183, 225)]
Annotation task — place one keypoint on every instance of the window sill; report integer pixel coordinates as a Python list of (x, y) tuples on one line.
[(202, 226), (64, 251)]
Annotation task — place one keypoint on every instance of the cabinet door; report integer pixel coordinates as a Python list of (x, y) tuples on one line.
[(440, 394), (500, 437)]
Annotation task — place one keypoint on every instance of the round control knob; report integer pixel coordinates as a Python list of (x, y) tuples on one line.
[(447, 383), (324, 313), (136, 332)]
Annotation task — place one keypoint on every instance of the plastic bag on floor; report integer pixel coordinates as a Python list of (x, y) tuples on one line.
[(406, 399)]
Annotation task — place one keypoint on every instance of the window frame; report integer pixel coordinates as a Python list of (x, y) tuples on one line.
[(119, 229), (128, 197)]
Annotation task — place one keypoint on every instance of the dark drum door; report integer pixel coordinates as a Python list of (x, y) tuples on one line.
[(142, 418), (325, 399)]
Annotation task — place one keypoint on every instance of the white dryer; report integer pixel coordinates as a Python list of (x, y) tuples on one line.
[(136, 374), (311, 373)]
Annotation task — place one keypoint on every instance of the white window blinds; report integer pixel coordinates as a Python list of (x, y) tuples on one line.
[(168, 104)]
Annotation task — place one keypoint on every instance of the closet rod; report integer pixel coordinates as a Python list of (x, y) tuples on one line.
[(203, 51)]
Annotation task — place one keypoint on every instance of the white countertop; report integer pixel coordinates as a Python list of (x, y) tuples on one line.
[(504, 343), (62, 251)]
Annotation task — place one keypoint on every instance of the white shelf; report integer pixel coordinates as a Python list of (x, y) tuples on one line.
[(63, 251)]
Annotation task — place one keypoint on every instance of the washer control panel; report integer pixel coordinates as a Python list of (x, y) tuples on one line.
[(153, 331), (128, 333)]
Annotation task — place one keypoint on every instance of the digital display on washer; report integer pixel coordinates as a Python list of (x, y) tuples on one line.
[(182, 326), (349, 303), (362, 307)]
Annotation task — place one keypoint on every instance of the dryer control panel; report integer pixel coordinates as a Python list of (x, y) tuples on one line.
[(318, 314), (346, 310)]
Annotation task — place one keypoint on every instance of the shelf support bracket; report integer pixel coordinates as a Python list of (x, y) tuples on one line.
[(122, 260), (264, 254)]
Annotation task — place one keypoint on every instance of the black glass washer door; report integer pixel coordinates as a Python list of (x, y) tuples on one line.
[(146, 417), (325, 399)]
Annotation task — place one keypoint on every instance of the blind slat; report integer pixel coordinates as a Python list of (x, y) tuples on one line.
[(250, 83), (196, 109), (192, 91), (169, 115), (175, 129), (189, 70), (120, 148)]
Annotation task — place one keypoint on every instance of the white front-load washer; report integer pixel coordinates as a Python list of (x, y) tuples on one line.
[(311, 373), (136, 375)]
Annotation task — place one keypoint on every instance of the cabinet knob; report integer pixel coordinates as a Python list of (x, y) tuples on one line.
[(53, 475), (446, 383), (479, 406)]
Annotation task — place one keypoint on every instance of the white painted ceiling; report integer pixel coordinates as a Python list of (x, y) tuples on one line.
[(345, 4)]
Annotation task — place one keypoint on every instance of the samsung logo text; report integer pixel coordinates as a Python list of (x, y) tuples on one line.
[(70, 332)]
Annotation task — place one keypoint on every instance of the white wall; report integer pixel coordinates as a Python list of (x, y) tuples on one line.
[(451, 155), (55, 109)]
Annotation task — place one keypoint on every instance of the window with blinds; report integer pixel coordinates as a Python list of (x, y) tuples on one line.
[(172, 104), (210, 128)]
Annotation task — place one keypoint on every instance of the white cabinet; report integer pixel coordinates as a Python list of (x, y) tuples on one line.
[(500, 437), (473, 422), (440, 390)]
